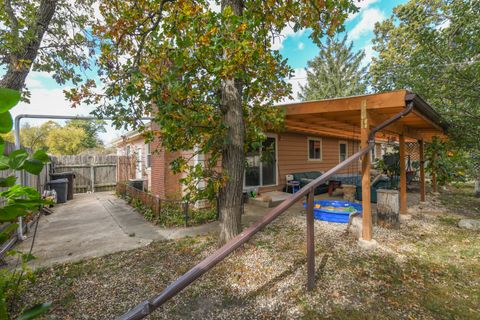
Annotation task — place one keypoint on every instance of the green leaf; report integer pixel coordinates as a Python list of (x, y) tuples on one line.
[(11, 212), (6, 122), (8, 99), (41, 155), (5, 234), (2, 145), (8, 181), (35, 311), (4, 162), (33, 166), (17, 158)]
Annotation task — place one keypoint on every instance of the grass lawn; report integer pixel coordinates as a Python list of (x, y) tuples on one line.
[(428, 269)]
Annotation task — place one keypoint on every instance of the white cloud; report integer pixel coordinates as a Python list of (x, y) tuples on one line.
[(366, 23), (369, 53), (361, 5), (299, 79), (277, 42), (301, 45)]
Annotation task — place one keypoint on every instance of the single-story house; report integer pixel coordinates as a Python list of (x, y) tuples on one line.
[(303, 147)]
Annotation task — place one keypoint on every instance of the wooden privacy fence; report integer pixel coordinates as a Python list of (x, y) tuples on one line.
[(126, 168), (92, 173)]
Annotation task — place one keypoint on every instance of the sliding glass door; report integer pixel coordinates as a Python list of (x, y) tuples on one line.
[(261, 164)]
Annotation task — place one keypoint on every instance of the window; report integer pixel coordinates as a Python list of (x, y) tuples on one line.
[(128, 150), (149, 155), (342, 150), (314, 149), (261, 164)]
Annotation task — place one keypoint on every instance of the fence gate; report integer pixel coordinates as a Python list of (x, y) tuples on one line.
[(92, 173)]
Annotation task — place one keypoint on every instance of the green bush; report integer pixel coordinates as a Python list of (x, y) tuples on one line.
[(172, 215)]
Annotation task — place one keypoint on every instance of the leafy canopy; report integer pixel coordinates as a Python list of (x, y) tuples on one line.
[(432, 47), (170, 58), (336, 71), (64, 49)]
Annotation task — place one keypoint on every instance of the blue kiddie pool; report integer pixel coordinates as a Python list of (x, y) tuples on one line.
[(334, 210)]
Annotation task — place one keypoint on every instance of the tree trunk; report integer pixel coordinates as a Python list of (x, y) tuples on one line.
[(388, 208), (230, 196), (20, 62), (233, 162)]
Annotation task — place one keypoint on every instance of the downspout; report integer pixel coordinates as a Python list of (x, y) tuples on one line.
[(146, 307), (19, 174)]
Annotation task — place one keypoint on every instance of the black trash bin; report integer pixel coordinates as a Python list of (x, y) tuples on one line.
[(137, 184), (61, 188), (65, 175)]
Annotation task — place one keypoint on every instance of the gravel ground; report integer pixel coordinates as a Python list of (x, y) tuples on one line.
[(427, 269)]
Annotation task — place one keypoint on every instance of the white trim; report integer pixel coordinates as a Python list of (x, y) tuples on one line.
[(340, 142), (308, 149)]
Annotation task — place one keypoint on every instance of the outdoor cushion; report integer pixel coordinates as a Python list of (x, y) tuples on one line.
[(313, 174)]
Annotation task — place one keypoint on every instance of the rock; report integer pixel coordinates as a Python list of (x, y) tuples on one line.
[(367, 244), (470, 224), (356, 227)]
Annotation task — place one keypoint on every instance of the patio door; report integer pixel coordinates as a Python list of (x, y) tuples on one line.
[(261, 164)]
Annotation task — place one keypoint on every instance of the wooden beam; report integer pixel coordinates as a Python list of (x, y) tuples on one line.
[(420, 115), (395, 127), (366, 201), (375, 101), (291, 126), (403, 176), (422, 170)]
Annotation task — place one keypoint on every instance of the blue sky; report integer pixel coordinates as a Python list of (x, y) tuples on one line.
[(47, 96)]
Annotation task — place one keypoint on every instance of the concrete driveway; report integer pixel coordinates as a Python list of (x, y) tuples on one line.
[(96, 224), (90, 225)]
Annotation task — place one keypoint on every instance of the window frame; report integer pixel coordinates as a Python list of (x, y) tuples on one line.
[(148, 155), (340, 152), (318, 139)]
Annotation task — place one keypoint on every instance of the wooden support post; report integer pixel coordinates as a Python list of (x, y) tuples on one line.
[(366, 202), (403, 176), (310, 242), (422, 170)]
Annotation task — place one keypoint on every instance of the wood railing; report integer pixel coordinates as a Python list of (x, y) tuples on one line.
[(147, 307)]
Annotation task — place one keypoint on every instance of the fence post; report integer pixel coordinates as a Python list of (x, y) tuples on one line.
[(185, 212), (158, 206), (92, 174)]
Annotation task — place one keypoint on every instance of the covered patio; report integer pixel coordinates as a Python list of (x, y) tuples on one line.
[(410, 119)]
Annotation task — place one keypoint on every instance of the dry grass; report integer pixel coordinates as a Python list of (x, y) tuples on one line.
[(428, 269)]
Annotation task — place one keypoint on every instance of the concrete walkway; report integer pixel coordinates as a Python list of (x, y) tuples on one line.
[(98, 224)]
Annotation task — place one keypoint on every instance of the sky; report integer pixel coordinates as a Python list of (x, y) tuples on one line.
[(47, 97)]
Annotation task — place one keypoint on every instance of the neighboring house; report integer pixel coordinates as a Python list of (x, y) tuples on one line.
[(150, 163)]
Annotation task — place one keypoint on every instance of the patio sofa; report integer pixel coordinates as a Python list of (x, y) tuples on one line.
[(381, 183), (306, 177)]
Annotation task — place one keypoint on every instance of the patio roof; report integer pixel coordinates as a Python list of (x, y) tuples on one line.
[(340, 117)]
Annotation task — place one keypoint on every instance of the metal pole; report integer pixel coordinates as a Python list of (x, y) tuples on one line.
[(310, 242), (18, 174)]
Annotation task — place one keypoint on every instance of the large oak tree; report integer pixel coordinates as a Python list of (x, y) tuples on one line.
[(208, 76)]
